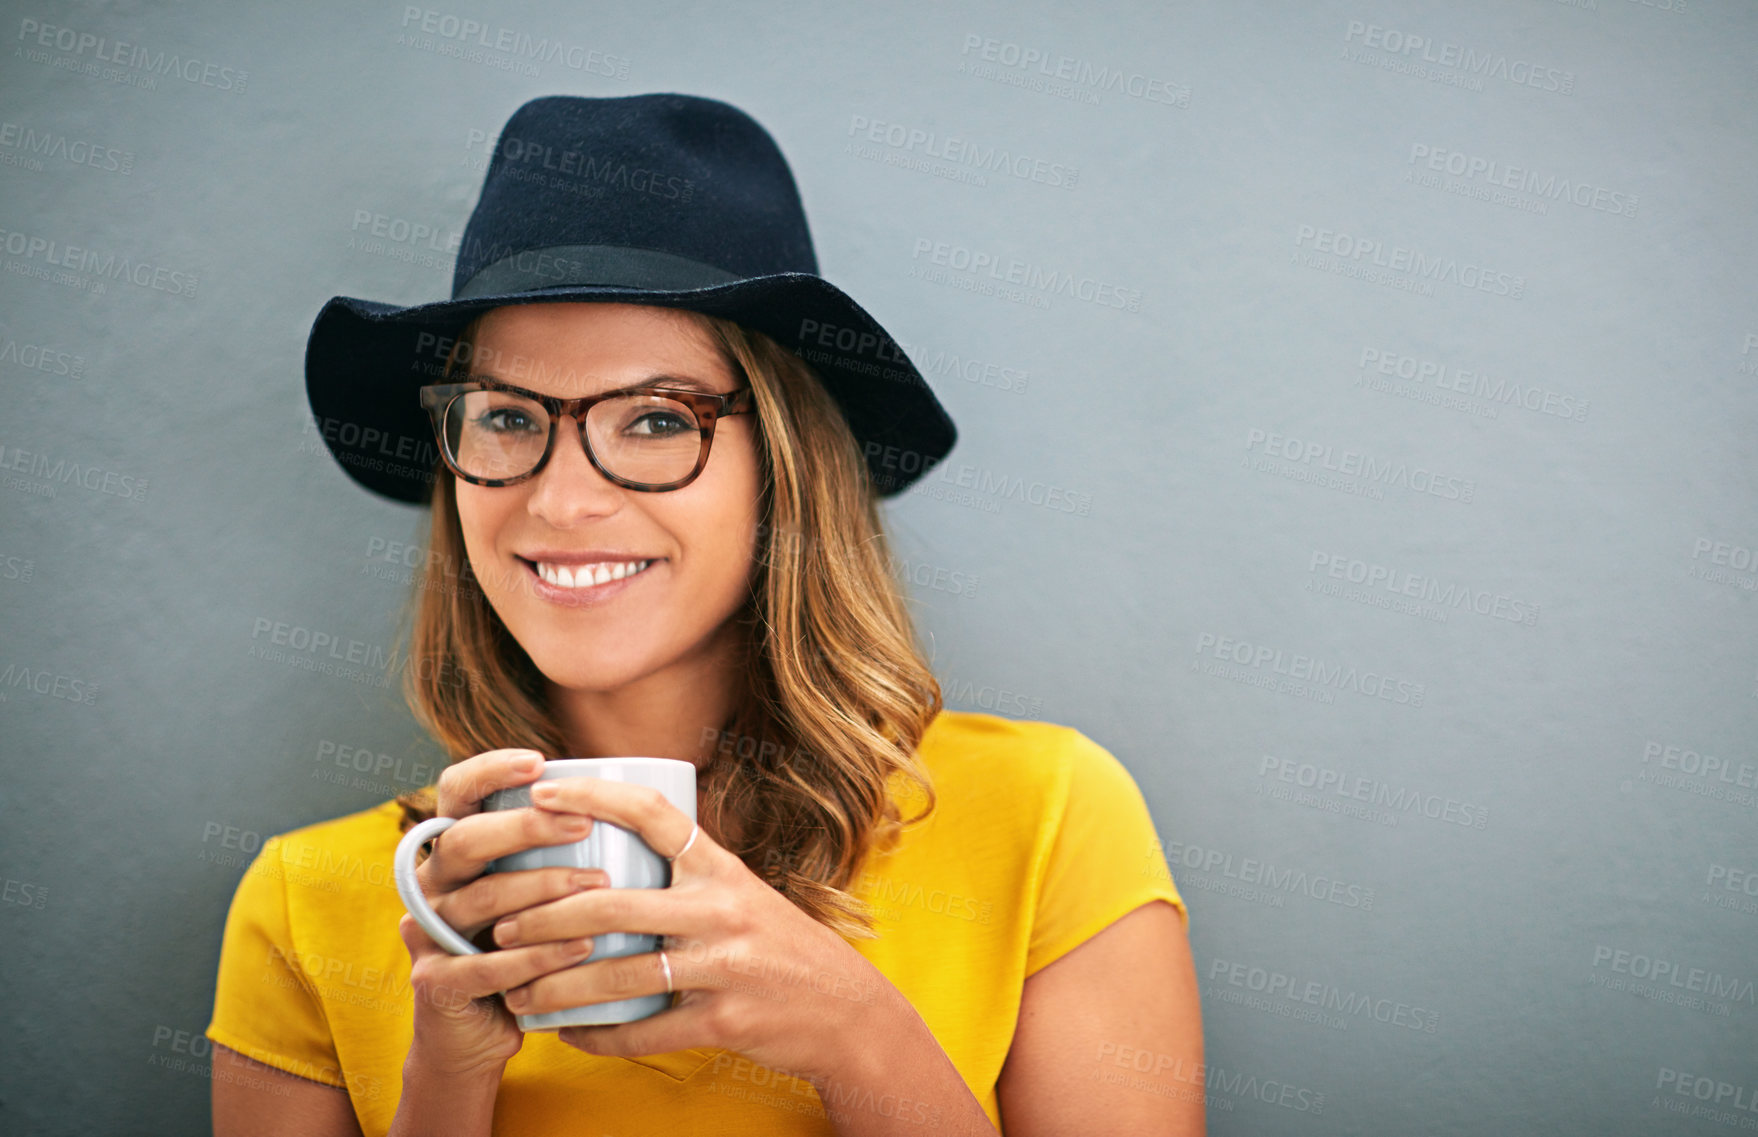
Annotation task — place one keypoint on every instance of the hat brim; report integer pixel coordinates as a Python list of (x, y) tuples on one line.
[(365, 361)]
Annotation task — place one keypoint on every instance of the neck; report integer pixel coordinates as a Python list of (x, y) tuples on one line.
[(676, 712)]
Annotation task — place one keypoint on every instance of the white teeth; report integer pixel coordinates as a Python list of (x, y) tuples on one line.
[(585, 576)]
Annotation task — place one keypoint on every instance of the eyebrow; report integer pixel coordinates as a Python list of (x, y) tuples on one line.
[(660, 380)]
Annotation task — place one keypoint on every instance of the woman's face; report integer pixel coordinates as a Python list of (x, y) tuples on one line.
[(700, 539)]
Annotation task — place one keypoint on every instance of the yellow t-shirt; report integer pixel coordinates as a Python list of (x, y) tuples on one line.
[(1040, 839)]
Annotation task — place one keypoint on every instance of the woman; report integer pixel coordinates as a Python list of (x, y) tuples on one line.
[(893, 916)]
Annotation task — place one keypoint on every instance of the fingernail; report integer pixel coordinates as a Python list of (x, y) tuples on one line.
[(506, 931), (528, 762), (543, 791), (574, 823), (588, 878)]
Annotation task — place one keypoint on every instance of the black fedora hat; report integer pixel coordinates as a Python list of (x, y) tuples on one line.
[(662, 199)]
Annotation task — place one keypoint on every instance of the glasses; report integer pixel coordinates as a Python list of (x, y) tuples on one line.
[(648, 438)]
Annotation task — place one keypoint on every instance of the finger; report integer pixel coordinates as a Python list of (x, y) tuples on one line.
[(424, 950), (680, 1028), (493, 895), (632, 911), (602, 981), (415, 938), (467, 847), (496, 972), (595, 911), (462, 785), (642, 810)]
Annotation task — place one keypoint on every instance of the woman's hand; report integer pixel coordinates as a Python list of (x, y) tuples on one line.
[(754, 974), (461, 1026)]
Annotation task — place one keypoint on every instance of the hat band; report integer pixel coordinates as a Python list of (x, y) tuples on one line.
[(616, 265)]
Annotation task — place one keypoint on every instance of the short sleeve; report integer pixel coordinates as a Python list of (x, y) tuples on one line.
[(265, 1006), (1105, 859)]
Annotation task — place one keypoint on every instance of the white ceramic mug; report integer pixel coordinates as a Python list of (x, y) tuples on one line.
[(624, 856)]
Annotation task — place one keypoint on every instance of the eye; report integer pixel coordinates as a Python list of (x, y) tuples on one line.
[(659, 424), (505, 420)]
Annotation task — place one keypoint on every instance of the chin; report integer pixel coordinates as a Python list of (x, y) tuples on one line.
[(570, 671), (602, 662)]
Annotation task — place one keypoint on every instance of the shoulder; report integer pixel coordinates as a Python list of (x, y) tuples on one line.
[(990, 759), (316, 876), (961, 742), (1026, 764), (1000, 793), (328, 856), (360, 831)]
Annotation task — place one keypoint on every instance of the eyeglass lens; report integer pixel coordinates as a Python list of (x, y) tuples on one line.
[(642, 438)]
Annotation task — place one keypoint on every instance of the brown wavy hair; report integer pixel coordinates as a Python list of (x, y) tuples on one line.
[(836, 693)]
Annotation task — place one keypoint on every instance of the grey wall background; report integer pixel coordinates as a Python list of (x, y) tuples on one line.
[(1540, 539)]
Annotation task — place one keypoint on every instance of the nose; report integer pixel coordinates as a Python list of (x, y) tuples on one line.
[(569, 485)]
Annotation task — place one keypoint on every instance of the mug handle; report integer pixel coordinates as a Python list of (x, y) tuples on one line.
[(403, 869)]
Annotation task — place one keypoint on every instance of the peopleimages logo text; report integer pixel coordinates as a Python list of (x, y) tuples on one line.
[(123, 54), (1468, 60), (1077, 72), (1054, 282), (1523, 179), (1309, 669), (993, 159), (1403, 259), (1356, 464)]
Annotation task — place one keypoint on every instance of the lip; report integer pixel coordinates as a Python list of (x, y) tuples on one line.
[(582, 556), (591, 595)]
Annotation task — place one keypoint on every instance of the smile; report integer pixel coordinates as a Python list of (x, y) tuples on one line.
[(586, 576)]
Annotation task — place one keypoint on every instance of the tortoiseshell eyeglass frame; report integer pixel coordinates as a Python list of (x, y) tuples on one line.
[(708, 409)]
